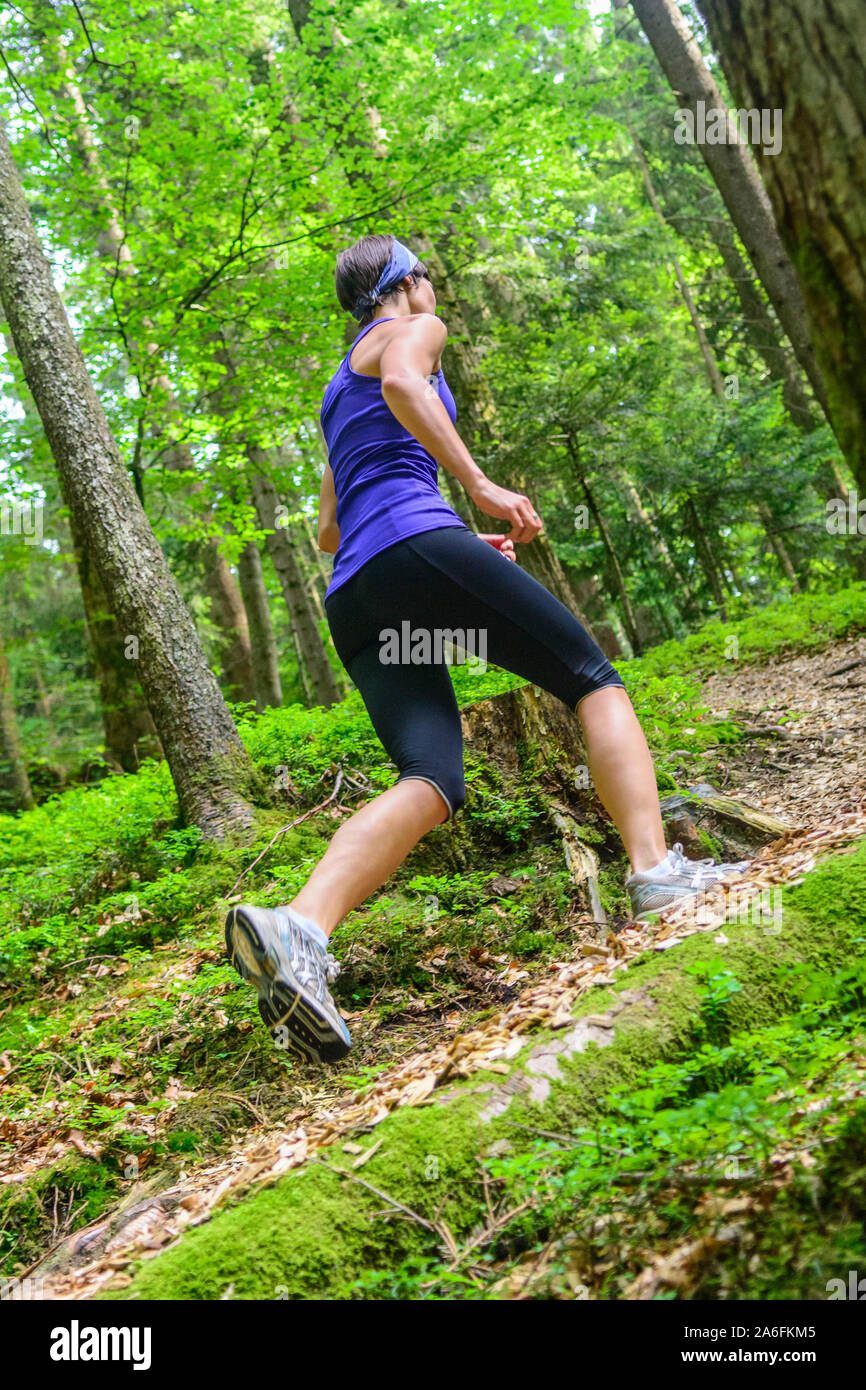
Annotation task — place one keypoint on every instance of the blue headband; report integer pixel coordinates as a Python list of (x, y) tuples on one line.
[(402, 261)]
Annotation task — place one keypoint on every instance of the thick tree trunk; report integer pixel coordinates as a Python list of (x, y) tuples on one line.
[(13, 768), (808, 61), (320, 680), (209, 764), (735, 175), (263, 643)]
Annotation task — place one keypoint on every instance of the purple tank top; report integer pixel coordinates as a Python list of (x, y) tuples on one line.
[(386, 482)]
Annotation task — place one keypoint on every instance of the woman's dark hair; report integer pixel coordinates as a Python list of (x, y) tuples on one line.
[(359, 268)]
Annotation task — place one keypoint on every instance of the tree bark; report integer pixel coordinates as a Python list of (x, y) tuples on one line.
[(208, 762), (317, 672), (736, 177), (263, 643), (129, 730), (808, 61), (13, 767)]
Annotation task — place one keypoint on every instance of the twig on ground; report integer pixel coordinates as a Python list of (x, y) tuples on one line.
[(377, 1191), (81, 960), (849, 666), (291, 826)]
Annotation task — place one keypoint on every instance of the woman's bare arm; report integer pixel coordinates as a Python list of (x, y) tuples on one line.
[(408, 360), (329, 531)]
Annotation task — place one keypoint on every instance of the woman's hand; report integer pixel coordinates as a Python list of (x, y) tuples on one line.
[(507, 506), (504, 544)]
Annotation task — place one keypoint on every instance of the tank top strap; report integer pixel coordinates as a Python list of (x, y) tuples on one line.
[(366, 329)]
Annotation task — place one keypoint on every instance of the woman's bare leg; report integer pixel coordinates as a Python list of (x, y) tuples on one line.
[(367, 849), (622, 770)]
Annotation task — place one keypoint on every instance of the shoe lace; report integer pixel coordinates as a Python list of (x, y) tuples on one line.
[(705, 870), (310, 964)]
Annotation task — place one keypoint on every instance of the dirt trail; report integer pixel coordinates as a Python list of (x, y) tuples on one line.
[(811, 769)]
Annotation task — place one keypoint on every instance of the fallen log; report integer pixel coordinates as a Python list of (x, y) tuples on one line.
[(708, 822)]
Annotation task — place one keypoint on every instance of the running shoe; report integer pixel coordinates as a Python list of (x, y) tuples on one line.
[(291, 971), (676, 878)]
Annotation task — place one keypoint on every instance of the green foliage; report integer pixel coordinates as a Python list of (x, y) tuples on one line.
[(799, 621)]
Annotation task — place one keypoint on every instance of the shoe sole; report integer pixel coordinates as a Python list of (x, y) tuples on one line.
[(287, 1010)]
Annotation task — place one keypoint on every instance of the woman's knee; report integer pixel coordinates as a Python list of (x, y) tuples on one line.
[(448, 781)]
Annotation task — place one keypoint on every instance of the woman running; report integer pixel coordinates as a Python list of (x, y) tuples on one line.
[(404, 557)]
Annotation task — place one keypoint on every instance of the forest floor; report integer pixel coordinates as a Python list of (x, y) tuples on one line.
[(143, 1095)]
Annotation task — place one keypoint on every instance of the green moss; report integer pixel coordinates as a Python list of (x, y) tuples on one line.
[(313, 1234)]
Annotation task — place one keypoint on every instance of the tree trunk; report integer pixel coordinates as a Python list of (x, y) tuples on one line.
[(209, 764), (807, 60), (320, 679), (263, 643), (129, 730), (13, 768), (735, 175), (705, 554), (228, 612)]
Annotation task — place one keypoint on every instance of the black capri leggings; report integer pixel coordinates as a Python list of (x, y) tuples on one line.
[(441, 583)]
